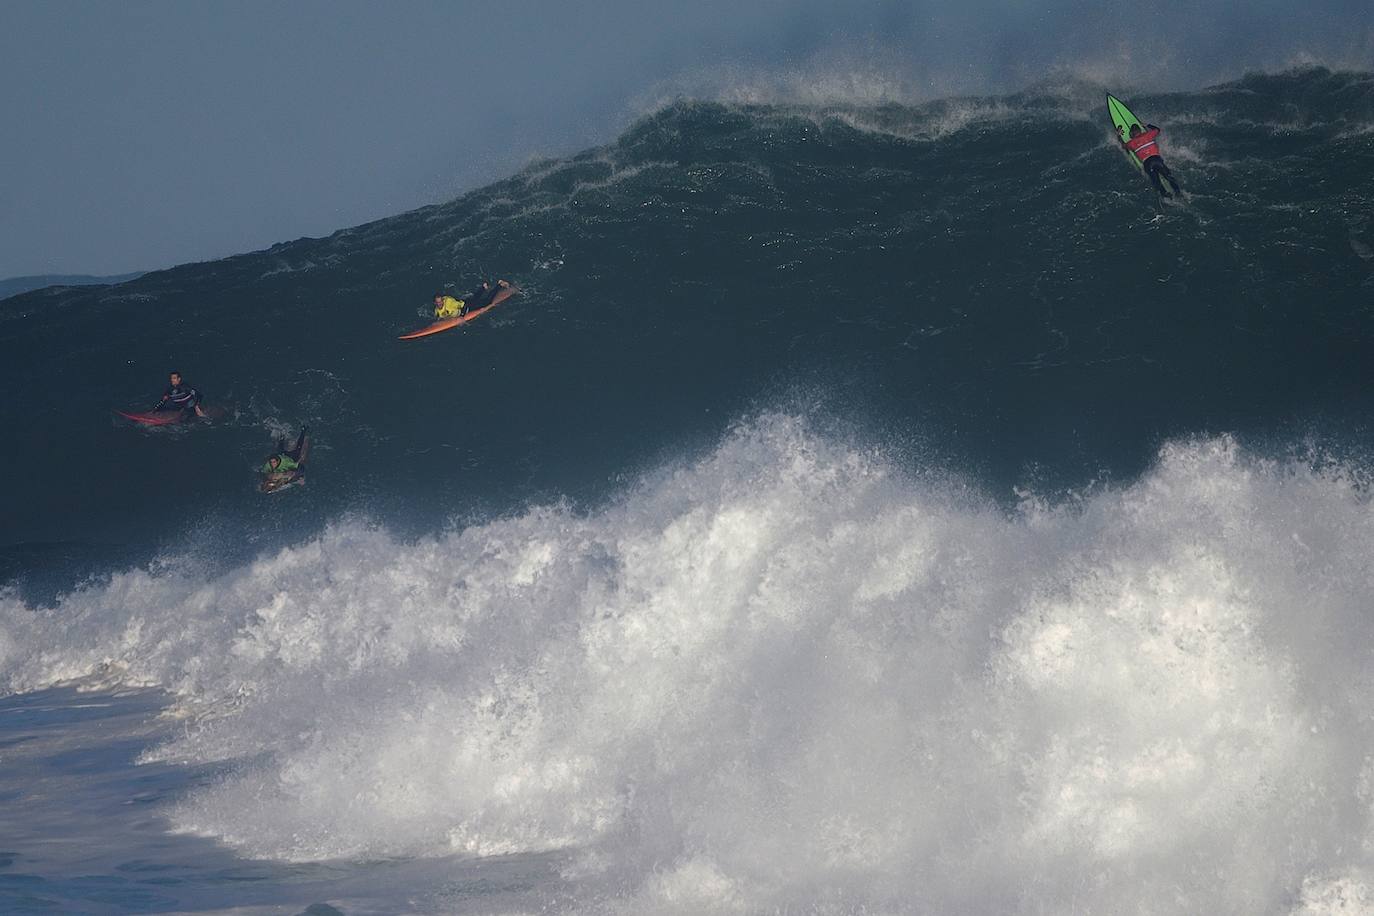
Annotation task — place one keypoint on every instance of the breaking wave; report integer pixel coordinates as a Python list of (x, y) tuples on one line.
[(794, 675)]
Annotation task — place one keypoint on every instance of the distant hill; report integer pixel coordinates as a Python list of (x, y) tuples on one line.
[(16, 285)]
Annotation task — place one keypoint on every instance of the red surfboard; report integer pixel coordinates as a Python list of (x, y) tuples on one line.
[(153, 417), (168, 417), (443, 325)]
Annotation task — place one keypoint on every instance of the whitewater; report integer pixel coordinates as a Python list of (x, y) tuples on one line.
[(823, 531), (790, 677)]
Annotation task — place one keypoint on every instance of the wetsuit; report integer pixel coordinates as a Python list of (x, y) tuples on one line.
[(1146, 148), (479, 298), (180, 397), (483, 296)]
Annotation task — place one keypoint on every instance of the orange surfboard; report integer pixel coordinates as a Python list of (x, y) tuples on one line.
[(446, 323)]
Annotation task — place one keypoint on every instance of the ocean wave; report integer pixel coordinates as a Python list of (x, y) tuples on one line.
[(793, 674)]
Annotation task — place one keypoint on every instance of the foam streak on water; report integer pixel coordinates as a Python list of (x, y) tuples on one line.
[(793, 676)]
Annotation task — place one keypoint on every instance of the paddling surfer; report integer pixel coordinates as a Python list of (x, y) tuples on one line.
[(482, 296), (1144, 145), (285, 460)]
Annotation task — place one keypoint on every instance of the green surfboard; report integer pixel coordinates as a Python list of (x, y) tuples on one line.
[(1122, 119)]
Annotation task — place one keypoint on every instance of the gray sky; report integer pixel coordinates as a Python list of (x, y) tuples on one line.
[(143, 134)]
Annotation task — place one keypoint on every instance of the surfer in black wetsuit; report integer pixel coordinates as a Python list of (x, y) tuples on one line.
[(180, 397)]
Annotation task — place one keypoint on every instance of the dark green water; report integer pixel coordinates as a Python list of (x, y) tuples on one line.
[(985, 285)]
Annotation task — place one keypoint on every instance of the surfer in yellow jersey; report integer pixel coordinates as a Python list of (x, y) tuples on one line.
[(446, 306)]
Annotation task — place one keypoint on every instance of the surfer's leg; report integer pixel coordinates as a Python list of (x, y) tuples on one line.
[(1170, 176), (300, 442), (1152, 168)]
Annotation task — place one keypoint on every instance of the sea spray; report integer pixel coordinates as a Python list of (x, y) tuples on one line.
[(794, 675)]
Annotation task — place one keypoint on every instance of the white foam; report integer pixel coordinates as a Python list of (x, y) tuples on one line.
[(793, 676)]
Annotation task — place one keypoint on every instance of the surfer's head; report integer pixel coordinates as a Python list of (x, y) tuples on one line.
[(1135, 130), (274, 461), (175, 378)]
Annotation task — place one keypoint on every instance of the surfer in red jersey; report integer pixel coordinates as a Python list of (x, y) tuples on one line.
[(1145, 146), (180, 397)]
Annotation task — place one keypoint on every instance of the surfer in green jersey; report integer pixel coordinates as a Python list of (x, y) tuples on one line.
[(286, 460)]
